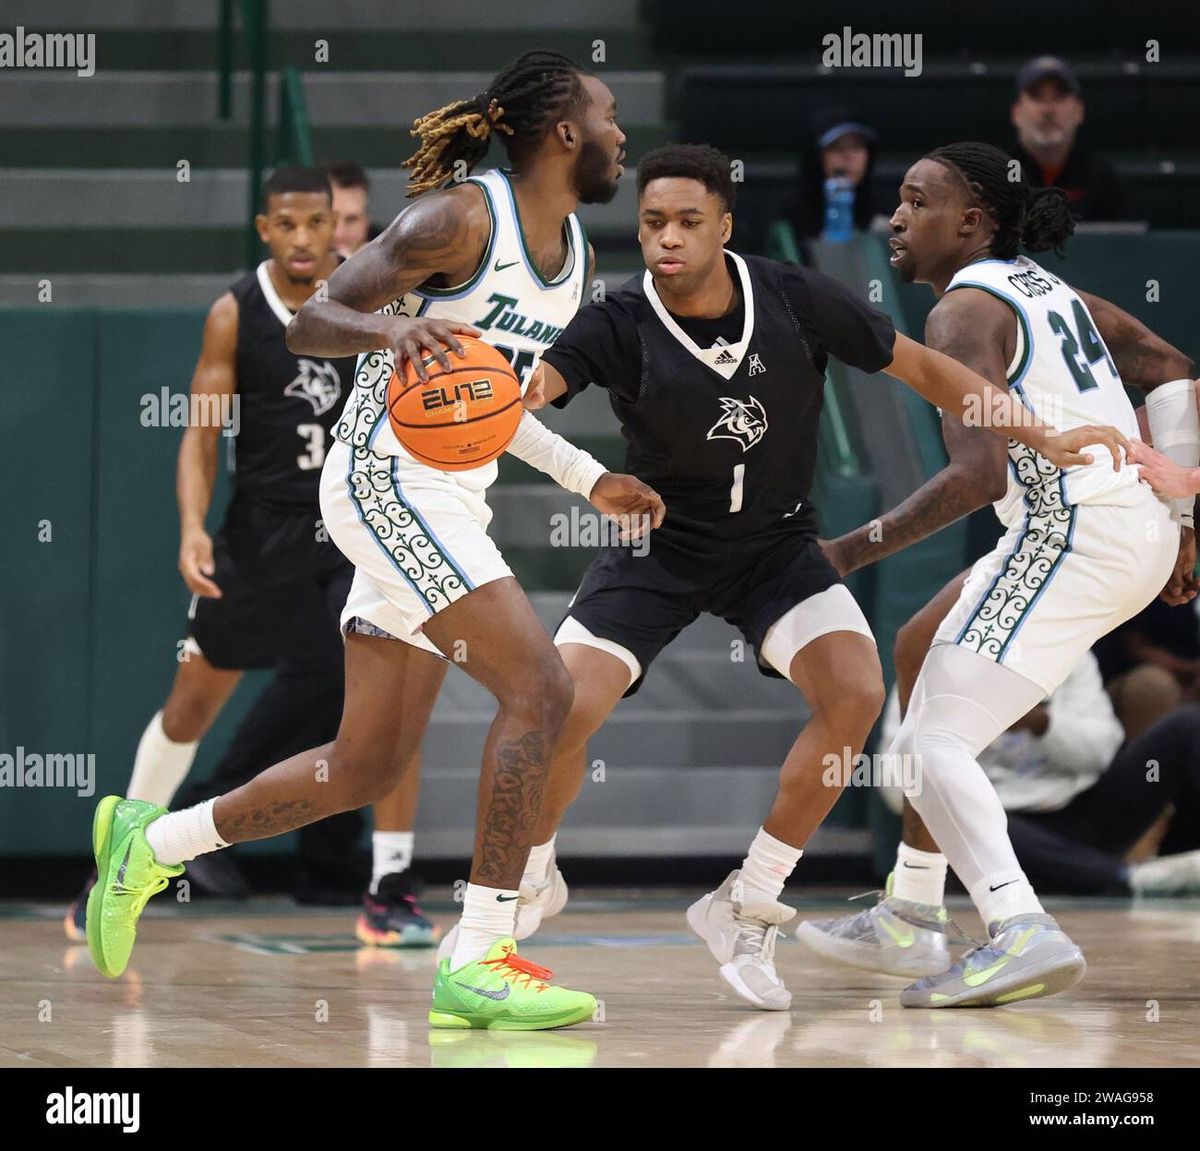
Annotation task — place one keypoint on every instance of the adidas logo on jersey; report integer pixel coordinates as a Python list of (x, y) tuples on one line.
[(726, 357)]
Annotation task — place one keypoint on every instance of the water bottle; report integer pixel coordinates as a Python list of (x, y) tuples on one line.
[(839, 208)]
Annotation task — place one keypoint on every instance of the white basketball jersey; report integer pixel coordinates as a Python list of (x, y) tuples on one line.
[(507, 299), (1063, 372)]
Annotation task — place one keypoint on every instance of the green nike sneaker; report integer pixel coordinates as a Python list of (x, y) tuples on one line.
[(1026, 957), (127, 874), (505, 992)]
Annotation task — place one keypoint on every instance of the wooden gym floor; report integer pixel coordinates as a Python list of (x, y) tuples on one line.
[(268, 984)]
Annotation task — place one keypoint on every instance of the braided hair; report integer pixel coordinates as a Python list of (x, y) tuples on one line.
[(521, 102), (1035, 218)]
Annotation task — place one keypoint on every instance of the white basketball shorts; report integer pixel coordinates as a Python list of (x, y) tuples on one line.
[(1062, 578), (417, 538)]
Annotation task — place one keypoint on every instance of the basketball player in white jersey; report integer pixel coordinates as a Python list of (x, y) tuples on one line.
[(1086, 548), (502, 256)]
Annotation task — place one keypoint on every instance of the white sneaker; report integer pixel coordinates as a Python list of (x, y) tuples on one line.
[(1167, 875), (533, 905), (741, 937)]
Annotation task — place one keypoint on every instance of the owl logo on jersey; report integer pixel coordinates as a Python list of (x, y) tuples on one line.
[(317, 383), (740, 420)]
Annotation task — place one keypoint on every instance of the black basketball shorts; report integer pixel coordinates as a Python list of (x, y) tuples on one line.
[(283, 587), (635, 604)]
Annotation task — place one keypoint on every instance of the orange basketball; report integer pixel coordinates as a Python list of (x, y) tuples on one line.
[(457, 419)]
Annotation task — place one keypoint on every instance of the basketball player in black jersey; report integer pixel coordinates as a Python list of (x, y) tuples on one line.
[(714, 364), (267, 590)]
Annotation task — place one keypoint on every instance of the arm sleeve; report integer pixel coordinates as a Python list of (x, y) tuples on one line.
[(845, 327), (599, 346), (570, 467)]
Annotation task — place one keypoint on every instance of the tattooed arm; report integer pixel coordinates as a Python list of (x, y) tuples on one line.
[(440, 238), (975, 474), (1143, 360)]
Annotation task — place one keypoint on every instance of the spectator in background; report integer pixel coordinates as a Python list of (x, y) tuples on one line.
[(1079, 800), (1151, 664), (1046, 114), (351, 201), (839, 144)]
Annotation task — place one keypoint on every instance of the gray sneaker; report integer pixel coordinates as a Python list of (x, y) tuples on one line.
[(741, 937), (895, 937), (1026, 956)]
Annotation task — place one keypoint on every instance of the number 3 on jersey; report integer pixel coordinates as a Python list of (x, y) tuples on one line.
[(314, 457)]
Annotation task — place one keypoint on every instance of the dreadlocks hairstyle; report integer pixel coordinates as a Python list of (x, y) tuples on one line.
[(521, 102), (1035, 218)]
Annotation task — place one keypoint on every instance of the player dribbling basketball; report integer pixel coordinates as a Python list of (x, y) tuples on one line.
[(500, 255)]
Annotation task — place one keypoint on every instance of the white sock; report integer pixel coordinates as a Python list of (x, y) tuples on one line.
[(1005, 893), (182, 835), (391, 853), (160, 765), (961, 702), (766, 868), (537, 867), (920, 876), (488, 914)]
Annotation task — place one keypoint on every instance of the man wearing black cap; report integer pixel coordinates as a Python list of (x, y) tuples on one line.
[(1046, 114)]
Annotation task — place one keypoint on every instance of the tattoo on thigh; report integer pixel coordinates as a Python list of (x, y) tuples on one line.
[(517, 790)]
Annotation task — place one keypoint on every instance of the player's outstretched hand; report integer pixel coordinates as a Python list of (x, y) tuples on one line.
[(414, 339), (196, 563), (637, 508), (535, 394), (1164, 475), (1065, 449), (1182, 586)]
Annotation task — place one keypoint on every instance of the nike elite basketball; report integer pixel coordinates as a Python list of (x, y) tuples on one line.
[(457, 419)]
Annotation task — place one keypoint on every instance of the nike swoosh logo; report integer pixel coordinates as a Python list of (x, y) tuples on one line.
[(499, 267), (506, 898), (919, 866), (124, 864), (487, 994), (1000, 885), (901, 937), (975, 978)]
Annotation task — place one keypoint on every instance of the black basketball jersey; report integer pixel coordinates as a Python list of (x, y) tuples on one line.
[(287, 404), (725, 433)]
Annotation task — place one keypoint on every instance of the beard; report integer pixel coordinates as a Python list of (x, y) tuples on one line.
[(593, 184)]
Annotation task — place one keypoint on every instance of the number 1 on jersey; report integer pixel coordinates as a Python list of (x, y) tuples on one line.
[(735, 493)]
